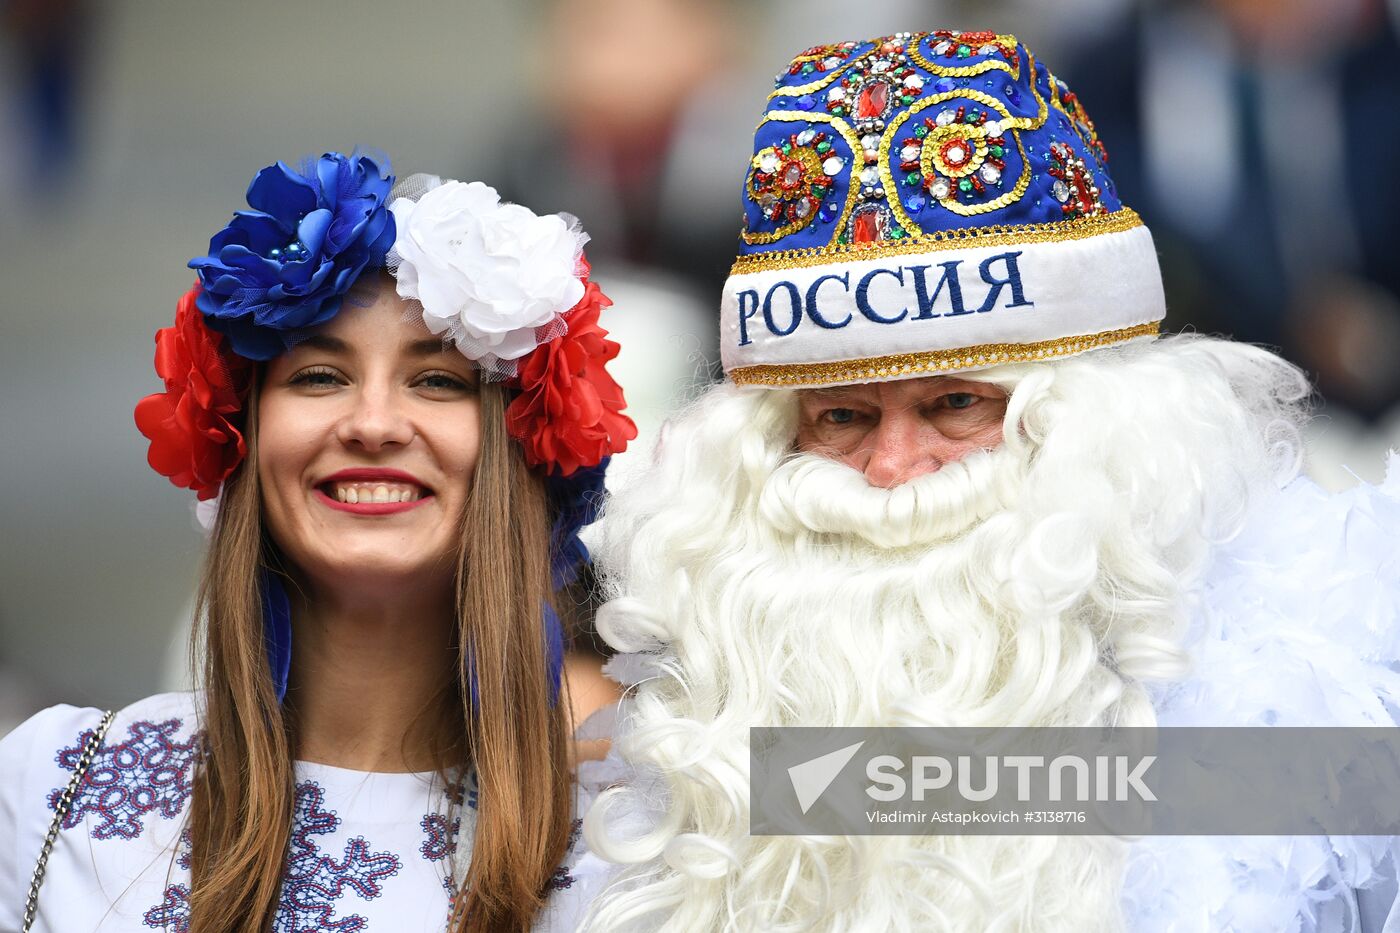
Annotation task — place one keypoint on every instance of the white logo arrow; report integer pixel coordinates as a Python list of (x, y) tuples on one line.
[(811, 778)]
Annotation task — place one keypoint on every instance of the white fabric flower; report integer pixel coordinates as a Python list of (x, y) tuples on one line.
[(487, 274), (206, 513)]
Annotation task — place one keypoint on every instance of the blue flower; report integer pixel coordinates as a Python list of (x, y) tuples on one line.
[(285, 266), (576, 499)]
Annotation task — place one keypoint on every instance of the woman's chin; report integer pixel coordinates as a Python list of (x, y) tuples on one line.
[(379, 570)]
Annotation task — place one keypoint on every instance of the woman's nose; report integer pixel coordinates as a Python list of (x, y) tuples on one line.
[(378, 418)]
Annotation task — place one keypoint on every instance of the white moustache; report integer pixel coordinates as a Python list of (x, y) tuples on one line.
[(812, 493)]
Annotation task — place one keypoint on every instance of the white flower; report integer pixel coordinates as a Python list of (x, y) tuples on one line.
[(486, 273), (206, 513)]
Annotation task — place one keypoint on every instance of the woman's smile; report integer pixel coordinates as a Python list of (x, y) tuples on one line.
[(362, 491)]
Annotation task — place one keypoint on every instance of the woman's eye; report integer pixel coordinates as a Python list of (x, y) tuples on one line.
[(316, 378), (839, 415), (445, 381), (960, 400)]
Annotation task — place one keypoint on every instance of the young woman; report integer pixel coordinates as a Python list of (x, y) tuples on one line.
[(395, 404)]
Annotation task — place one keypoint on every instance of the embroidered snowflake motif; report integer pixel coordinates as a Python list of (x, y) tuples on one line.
[(313, 882), (150, 772), (562, 877), (440, 843), (441, 837), (173, 913)]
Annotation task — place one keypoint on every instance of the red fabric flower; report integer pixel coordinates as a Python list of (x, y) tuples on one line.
[(569, 411), (193, 424)]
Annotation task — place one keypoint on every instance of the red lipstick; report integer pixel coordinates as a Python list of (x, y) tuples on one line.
[(373, 475)]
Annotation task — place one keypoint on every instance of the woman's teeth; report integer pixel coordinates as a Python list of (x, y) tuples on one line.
[(377, 492)]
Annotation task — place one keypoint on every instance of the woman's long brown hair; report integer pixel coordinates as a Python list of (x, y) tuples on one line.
[(241, 813)]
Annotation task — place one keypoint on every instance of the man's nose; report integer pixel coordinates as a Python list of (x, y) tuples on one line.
[(897, 450), (378, 418)]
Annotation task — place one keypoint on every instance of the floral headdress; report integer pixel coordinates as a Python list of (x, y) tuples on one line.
[(508, 288)]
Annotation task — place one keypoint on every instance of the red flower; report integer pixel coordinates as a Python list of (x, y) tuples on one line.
[(193, 424), (569, 411)]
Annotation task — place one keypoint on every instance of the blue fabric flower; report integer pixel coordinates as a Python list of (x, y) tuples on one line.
[(285, 266), (576, 499)]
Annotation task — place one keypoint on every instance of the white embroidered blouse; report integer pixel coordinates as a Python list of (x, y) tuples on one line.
[(369, 852)]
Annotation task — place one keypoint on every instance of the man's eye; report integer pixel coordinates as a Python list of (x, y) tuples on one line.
[(960, 399), (839, 415)]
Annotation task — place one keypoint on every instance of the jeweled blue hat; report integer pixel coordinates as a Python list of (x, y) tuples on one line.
[(929, 203)]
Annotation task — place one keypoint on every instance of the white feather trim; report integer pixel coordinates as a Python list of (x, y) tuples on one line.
[(1298, 625)]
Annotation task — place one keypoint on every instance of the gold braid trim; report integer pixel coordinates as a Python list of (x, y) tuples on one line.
[(1078, 228), (981, 66), (899, 365)]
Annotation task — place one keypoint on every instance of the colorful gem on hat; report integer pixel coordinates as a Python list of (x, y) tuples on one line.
[(959, 158), (818, 60), (882, 79), (959, 47), (1068, 102), (869, 223), (1074, 186), (788, 181)]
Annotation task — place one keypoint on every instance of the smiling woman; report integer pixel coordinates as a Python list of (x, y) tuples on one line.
[(398, 404), (371, 417)]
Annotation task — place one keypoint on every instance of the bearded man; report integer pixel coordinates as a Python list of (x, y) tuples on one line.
[(954, 478)]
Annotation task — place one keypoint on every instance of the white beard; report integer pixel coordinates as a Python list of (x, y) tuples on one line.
[(1044, 583), (813, 493)]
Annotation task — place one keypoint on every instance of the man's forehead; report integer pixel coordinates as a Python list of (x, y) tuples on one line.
[(903, 388)]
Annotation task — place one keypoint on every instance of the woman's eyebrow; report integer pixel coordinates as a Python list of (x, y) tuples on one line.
[(428, 347), (323, 343)]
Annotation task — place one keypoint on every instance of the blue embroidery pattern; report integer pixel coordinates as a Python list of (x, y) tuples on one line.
[(313, 882), (441, 837), (173, 913), (149, 772)]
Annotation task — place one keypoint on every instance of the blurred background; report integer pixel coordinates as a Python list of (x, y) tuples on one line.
[(1256, 137)]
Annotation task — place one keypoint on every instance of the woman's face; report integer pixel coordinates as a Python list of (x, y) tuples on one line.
[(368, 432)]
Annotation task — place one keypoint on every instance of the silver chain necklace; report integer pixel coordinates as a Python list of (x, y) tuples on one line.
[(65, 803)]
